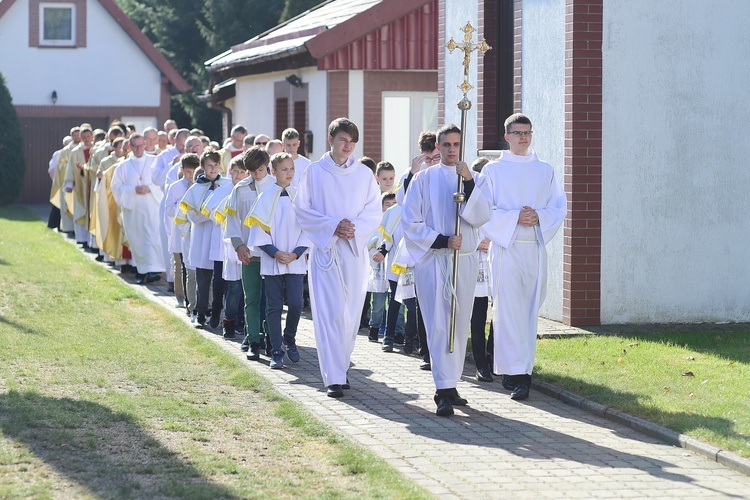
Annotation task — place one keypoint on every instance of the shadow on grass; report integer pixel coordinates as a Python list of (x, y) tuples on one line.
[(633, 404), (730, 341), (105, 452), (18, 213), (17, 326)]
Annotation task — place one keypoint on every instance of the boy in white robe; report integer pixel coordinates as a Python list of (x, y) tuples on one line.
[(338, 208), (234, 311), (274, 229), (139, 199), (291, 142), (528, 206), (428, 221), (244, 194), (173, 195), (201, 227)]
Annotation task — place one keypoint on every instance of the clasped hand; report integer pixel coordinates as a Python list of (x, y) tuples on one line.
[(143, 189), (528, 217), (285, 257), (345, 229)]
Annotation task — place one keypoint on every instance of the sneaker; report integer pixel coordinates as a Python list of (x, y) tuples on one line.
[(398, 339), (387, 346), (180, 303), (277, 360), (214, 321), (408, 347), (292, 353), (194, 317), (201, 320)]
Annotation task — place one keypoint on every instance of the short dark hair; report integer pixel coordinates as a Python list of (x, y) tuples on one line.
[(249, 139), (516, 118), (117, 142), (238, 128), (427, 140), (196, 131), (131, 126), (343, 125), (254, 158), (384, 165), (134, 137), (479, 164), (290, 133), (369, 163), (237, 160), (210, 155), (448, 128), (86, 129), (100, 136), (386, 197), (190, 160)]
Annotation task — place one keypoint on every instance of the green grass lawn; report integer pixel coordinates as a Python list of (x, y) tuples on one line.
[(104, 394), (696, 383)]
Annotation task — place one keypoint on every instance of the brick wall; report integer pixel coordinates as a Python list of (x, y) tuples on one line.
[(517, 46), (338, 94), (583, 162)]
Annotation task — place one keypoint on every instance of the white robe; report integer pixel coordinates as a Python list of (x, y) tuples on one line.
[(300, 165), (193, 204), (428, 212), (140, 212), (172, 196), (240, 202), (338, 267), (272, 222), (518, 260)]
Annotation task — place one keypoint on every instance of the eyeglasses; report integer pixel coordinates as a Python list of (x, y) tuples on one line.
[(261, 143), (432, 159), (521, 133)]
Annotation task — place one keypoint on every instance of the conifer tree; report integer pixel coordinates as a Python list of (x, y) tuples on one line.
[(12, 166)]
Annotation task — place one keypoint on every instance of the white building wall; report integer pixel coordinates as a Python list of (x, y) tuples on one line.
[(357, 107), (83, 76), (675, 151), (543, 101), (254, 102)]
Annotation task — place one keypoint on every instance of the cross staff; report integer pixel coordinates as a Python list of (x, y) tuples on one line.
[(464, 105)]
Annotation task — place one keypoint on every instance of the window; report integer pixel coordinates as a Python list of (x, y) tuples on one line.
[(57, 24)]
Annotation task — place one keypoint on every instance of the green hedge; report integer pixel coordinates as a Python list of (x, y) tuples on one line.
[(11, 149)]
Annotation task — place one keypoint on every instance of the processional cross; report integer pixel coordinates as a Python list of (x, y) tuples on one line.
[(467, 46)]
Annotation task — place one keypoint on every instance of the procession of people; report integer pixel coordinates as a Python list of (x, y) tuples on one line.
[(245, 229)]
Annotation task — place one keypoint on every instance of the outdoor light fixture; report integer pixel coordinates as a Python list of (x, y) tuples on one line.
[(294, 80), (54, 97)]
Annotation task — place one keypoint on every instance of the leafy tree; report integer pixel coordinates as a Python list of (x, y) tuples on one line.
[(295, 7), (189, 32), (12, 163)]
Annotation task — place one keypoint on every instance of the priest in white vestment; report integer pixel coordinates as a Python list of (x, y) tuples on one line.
[(428, 219), (140, 199), (338, 207), (528, 206)]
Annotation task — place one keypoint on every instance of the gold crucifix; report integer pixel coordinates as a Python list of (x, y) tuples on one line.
[(467, 47)]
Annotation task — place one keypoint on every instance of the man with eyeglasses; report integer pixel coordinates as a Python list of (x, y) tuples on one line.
[(261, 140), (529, 205)]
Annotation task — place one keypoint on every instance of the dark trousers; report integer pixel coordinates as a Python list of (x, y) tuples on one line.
[(203, 280), (235, 302), (53, 222), (481, 349), (364, 321), (424, 350), (394, 309), (220, 289), (276, 285)]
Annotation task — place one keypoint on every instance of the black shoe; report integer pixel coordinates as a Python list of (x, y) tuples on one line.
[(484, 375), (99, 258), (509, 383), (455, 398), (425, 365), (444, 406), (140, 279), (387, 347), (201, 320), (228, 328), (170, 287), (254, 354), (398, 339), (335, 391), (408, 347), (346, 386), (214, 321), (521, 392), (373, 335)]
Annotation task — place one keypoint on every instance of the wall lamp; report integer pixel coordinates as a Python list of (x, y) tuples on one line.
[(54, 97), (294, 80)]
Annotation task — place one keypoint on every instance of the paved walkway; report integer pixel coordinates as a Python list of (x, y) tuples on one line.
[(494, 448)]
